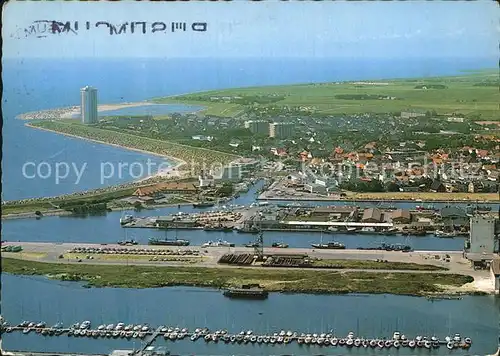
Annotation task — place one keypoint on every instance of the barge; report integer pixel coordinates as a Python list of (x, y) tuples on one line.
[(248, 291)]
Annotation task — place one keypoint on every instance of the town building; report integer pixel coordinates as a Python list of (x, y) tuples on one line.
[(88, 107), (246, 165), (229, 173), (453, 217), (495, 274), (482, 234), (401, 216), (372, 215), (281, 130), (336, 213), (257, 126), (412, 114), (205, 180)]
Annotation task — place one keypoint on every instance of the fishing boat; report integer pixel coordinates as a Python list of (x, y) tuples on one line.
[(333, 245), (218, 243), (279, 245), (248, 230), (166, 242)]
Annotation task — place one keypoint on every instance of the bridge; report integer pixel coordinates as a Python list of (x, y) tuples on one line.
[(148, 342)]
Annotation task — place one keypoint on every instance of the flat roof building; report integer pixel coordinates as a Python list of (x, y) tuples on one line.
[(280, 129), (89, 105), (257, 126)]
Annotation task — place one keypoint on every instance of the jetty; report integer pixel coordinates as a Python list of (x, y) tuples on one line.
[(149, 341)]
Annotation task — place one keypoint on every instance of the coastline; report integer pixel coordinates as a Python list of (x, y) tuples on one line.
[(68, 111), (395, 200), (176, 162), (280, 280)]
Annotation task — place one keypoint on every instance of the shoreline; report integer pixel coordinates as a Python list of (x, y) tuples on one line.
[(176, 162), (394, 200), (290, 280), (67, 112)]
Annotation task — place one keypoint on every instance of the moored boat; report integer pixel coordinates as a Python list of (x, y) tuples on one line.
[(246, 292), (279, 245), (165, 242), (333, 245)]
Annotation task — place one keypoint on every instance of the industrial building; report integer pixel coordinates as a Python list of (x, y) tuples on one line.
[(280, 130), (495, 274), (257, 126), (482, 235), (89, 105)]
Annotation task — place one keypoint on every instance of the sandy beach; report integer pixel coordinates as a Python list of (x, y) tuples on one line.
[(176, 162), (69, 112)]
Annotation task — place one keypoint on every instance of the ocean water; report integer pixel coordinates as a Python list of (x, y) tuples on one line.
[(366, 315), (30, 85), (37, 84)]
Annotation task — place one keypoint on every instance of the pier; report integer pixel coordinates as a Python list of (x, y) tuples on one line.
[(149, 341)]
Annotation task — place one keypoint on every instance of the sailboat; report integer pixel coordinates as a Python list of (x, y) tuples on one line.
[(332, 245), (167, 242)]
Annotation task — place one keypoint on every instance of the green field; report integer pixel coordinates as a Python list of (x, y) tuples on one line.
[(469, 94), (193, 157), (274, 280)]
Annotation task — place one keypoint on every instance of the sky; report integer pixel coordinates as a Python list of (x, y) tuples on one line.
[(269, 29)]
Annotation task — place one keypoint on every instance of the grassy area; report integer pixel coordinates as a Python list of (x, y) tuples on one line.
[(303, 281), (424, 196), (218, 109), (462, 94), (125, 258), (43, 207), (356, 264), (194, 157), (24, 255)]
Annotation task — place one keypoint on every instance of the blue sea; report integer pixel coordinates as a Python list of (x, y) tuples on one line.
[(37, 84), (30, 85)]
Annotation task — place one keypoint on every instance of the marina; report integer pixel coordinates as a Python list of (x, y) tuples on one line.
[(176, 333)]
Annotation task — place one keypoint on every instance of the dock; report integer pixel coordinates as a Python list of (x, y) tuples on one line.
[(169, 333), (148, 342)]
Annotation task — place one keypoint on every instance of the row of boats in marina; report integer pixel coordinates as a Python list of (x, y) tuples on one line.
[(121, 330), (330, 245)]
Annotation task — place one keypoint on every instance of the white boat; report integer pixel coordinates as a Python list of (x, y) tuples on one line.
[(126, 219), (218, 243), (396, 335)]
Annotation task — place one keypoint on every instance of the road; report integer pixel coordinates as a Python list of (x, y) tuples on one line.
[(50, 252)]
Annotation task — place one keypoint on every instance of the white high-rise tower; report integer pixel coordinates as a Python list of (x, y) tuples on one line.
[(89, 105)]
